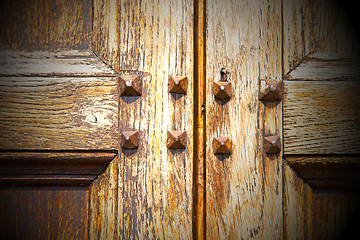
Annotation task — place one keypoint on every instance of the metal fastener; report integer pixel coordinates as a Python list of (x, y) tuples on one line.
[(271, 90), (129, 139), (178, 84), (222, 145), (130, 85), (176, 139), (272, 144), (222, 90)]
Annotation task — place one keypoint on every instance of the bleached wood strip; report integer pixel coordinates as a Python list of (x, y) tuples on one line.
[(73, 63), (242, 192), (47, 113), (321, 117)]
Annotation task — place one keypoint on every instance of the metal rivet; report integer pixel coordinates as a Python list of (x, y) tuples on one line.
[(271, 90), (130, 85), (272, 144), (178, 84), (222, 145), (222, 90), (129, 139), (176, 139)]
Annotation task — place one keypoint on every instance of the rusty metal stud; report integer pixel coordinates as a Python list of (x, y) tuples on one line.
[(129, 139), (130, 85), (176, 139), (222, 90), (272, 144), (271, 90), (178, 84), (222, 145)]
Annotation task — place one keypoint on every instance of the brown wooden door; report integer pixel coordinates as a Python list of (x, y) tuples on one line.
[(65, 175)]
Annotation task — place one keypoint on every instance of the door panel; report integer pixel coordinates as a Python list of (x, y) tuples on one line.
[(58, 119)]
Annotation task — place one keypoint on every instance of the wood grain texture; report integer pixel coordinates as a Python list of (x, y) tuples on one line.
[(52, 168), (103, 213), (58, 113), (45, 25), (313, 214), (243, 190), (153, 39), (328, 172), (327, 66), (316, 26), (44, 213), (321, 117), (72, 63)]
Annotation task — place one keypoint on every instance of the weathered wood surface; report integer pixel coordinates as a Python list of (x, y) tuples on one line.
[(52, 168), (316, 26), (153, 39), (45, 25), (58, 113), (321, 117), (317, 215), (243, 190), (72, 63), (44, 213), (106, 221)]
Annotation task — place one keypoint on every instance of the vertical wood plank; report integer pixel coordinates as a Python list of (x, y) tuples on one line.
[(293, 204), (244, 38), (153, 39), (103, 212)]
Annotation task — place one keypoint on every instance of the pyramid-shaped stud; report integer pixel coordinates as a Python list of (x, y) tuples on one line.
[(222, 145), (178, 84), (129, 139), (130, 85), (271, 90), (222, 90), (272, 144), (176, 139)]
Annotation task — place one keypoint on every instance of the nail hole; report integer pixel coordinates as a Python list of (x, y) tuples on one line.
[(222, 88), (176, 139), (128, 83), (176, 82), (272, 87)]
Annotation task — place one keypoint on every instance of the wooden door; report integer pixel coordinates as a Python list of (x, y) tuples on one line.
[(66, 173)]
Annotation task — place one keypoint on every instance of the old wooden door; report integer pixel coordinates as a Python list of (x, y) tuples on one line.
[(65, 175)]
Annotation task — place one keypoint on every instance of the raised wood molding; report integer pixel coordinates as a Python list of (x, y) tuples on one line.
[(52, 168), (328, 172)]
